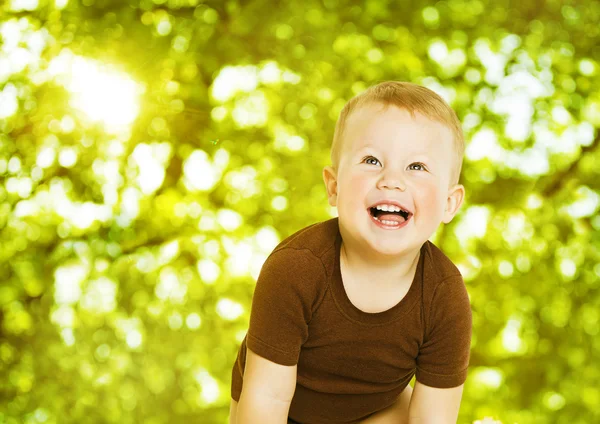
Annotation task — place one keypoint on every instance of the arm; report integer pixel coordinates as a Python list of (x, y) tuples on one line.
[(281, 310), (431, 405), (267, 391), (443, 358), (257, 408)]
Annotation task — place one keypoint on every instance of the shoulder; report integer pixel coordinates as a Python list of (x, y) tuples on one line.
[(438, 267), (443, 284), (317, 239), (296, 272), (303, 257)]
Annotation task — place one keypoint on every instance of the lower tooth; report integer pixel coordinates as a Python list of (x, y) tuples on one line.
[(393, 223)]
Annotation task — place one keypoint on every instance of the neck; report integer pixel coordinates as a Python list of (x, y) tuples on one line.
[(388, 270)]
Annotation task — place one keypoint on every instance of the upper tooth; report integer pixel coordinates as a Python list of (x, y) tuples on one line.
[(388, 208)]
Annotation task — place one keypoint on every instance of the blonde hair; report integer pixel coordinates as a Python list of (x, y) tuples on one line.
[(412, 97)]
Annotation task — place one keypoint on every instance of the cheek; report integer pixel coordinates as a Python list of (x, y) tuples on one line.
[(355, 188), (358, 181), (430, 199)]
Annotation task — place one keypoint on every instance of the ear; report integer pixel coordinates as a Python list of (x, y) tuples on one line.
[(456, 195), (330, 179)]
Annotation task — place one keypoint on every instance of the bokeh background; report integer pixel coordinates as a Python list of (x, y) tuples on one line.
[(153, 153)]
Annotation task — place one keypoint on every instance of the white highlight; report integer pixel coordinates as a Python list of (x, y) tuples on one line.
[(100, 296), (199, 173), (102, 93), (511, 339), (229, 310), (67, 282)]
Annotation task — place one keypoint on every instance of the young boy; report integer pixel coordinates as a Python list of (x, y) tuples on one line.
[(346, 311)]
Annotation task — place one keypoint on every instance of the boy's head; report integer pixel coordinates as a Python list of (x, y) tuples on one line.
[(395, 143), (415, 99)]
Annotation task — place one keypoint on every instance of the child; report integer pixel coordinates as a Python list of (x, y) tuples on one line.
[(346, 311)]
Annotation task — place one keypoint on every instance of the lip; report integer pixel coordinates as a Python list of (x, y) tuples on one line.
[(388, 227)]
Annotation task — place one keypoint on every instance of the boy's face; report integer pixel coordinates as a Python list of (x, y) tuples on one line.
[(380, 160)]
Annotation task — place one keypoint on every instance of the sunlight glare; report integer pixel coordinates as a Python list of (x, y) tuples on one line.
[(67, 282), (9, 103), (20, 5), (209, 387), (511, 339), (229, 310), (489, 377), (103, 94), (209, 271)]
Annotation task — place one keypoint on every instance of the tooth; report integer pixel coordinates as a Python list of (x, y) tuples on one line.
[(389, 208)]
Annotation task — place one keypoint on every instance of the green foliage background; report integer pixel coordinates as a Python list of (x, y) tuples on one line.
[(155, 303)]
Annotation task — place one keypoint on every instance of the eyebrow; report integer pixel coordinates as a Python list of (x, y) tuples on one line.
[(368, 146)]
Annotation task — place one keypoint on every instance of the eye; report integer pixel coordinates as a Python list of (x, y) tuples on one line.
[(367, 158), (419, 164)]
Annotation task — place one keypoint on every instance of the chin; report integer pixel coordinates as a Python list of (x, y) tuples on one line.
[(388, 247)]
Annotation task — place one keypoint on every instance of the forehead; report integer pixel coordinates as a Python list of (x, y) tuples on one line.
[(373, 124)]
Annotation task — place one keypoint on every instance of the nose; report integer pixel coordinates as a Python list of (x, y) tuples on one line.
[(392, 180)]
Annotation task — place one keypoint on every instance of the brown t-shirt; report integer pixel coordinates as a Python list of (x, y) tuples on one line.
[(353, 363)]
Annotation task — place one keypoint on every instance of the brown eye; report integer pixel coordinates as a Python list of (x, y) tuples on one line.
[(369, 158), (419, 164)]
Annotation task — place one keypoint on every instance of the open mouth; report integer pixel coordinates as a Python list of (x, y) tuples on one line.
[(390, 217)]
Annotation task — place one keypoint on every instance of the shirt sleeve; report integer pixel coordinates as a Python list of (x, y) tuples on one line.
[(444, 355), (285, 293)]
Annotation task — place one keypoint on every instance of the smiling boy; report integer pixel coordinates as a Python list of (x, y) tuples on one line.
[(345, 312)]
